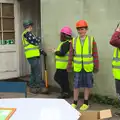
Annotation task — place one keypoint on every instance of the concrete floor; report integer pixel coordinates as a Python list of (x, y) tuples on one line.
[(93, 106)]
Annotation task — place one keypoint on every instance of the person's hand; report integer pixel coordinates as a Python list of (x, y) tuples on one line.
[(52, 50), (118, 29), (43, 52), (95, 70)]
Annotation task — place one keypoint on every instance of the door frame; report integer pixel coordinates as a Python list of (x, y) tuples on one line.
[(17, 44)]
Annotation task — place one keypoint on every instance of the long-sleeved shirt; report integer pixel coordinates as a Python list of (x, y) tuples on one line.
[(115, 39), (95, 55), (32, 39)]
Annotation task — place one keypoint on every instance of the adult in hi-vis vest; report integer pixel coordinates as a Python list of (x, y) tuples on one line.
[(85, 62), (32, 54), (115, 42), (61, 60)]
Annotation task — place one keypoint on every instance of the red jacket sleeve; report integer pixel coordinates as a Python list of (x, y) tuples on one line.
[(115, 39), (95, 56)]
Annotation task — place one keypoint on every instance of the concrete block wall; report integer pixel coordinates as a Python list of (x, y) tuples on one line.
[(102, 16)]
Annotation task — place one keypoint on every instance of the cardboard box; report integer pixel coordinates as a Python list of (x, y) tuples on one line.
[(96, 115)]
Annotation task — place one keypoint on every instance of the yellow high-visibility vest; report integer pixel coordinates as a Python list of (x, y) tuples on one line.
[(83, 54), (116, 63), (29, 49), (61, 61)]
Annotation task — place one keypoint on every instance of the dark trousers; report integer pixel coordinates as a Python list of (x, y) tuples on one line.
[(117, 84), (36, 77), (61, 77)]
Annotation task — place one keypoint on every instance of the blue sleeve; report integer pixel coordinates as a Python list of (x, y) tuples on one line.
[(32, 39)]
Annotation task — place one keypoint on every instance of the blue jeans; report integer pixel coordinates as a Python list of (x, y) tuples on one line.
[(36, 77)]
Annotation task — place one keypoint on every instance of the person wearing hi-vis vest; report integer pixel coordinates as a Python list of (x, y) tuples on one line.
[(61, 59), (115, 42), (32, 53), (85, 63)]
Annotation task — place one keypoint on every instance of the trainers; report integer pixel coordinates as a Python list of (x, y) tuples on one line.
[(74, 105), (84, 107)]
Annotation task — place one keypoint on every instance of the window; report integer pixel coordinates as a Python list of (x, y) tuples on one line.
[(7, 33)]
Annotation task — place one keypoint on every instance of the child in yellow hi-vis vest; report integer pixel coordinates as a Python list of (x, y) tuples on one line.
[(32, 53), (61, 57), (85, 63)]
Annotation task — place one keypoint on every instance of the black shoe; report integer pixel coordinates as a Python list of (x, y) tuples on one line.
[(64, 96), (61, 96)]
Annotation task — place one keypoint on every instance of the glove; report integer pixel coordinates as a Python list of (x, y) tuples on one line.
[(95, 70), (43, 52)]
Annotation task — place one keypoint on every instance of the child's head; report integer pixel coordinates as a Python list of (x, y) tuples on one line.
[(82, 28), (65, 33), (28, 24)]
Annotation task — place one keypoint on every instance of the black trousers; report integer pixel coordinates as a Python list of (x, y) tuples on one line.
[(61, 77), (117, 83)]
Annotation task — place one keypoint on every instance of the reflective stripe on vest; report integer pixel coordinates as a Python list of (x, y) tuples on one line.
[(61, 61), (83, 54), (116, 63), (29, 49)]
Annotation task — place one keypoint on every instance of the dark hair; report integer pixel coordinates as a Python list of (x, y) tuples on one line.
[(64, 37)]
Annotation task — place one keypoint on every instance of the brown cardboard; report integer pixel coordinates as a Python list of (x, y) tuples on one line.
[(96, 115), (105, 114)]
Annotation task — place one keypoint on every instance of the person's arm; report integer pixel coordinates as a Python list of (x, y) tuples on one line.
[(115, 39), (64, 49), (95, 57), (32, 39)]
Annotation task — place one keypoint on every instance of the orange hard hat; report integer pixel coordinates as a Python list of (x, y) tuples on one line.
[(81, 23)]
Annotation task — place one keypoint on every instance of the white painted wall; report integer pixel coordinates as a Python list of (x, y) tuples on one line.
[(102, 16)]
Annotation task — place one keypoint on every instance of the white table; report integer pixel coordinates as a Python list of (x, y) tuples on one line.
[(40, 109)]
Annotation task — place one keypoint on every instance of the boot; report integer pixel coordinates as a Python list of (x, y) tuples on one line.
[(44, 91), (34, 90)]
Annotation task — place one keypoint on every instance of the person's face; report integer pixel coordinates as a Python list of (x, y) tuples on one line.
[(82, 31), (62, 37), (30, 28)]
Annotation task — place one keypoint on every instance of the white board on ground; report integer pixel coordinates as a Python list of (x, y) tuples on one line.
[(40, 109)]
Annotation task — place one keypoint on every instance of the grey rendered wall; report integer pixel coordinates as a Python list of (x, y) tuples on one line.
[(102, 16), (29, 9)]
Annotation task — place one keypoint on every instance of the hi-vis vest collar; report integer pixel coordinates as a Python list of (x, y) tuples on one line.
[(89, 47)]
